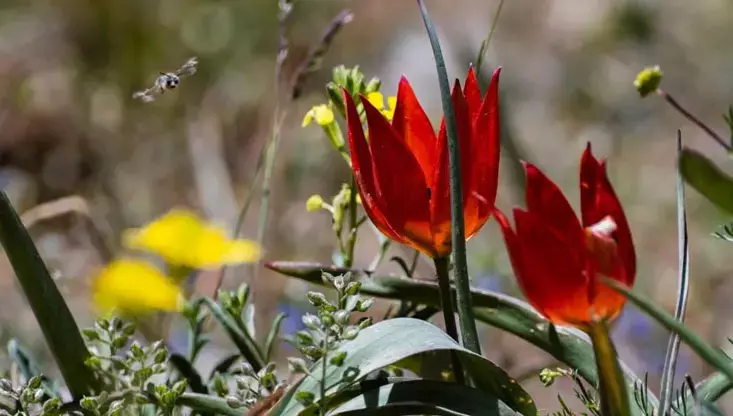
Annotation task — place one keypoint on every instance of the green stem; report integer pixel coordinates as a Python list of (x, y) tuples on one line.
[(353, 227), (612, 386), (463, 289), (485, 44), (677, 106), (446, 304), (242, 214), (323, 406)]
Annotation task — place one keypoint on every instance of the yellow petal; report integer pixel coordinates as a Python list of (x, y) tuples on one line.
[(323, 115), (183, 239), (308, 118), (135, 286), (392, 103), (376, 99), (243, 251)]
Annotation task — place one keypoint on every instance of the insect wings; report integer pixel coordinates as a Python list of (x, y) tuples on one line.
[(167, 80)]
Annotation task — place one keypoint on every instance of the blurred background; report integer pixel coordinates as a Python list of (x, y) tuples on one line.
[(69, 126)]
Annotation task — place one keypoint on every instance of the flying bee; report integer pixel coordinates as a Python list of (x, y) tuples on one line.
[(167, 81)]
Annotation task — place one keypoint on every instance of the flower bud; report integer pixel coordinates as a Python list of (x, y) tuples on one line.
[(648, 80)]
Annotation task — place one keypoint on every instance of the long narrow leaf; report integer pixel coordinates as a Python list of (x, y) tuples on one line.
[(707, 178), (193, 377), (208, 404), (711, 355), (246, 345), (435, 395), (53, 315), (683, 287), (271, 339), (469, 334)]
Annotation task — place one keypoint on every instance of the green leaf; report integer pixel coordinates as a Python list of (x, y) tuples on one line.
[(192, 376), (612, 388), (223, 366), (711, 355), (271, 339), (408, 337), (713, 387), (707, 179), (466, 320), (208, 404), (28, 367), (435, 396), (569, 346), (53, 315), (246, 345)]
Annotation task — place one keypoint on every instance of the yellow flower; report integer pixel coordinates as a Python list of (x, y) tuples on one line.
[(322, 114), (377, 100), (183, 239), (314, 203), (134, 286)]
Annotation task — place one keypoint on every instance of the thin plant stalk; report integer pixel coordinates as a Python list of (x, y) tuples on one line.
[(683, 287), (485, 44), (677, 106), (446, 304), (466, 319), (353, 227)]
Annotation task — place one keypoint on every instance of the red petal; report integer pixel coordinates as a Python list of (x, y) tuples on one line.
[(472, 93), (599, 200), (412, 124), (400, 182), (484, 153), (440, 206), (361, 162), (553, 278), (547, 202)]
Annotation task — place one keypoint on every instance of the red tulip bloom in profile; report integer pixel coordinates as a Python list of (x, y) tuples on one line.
[(402, 171), (557, 259)]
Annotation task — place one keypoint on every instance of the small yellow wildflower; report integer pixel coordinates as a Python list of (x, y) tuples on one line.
[(314, 203), (183, 239), (134, 286), (377, 100), (322, 114)]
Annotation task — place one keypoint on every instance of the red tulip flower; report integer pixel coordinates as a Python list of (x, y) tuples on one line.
[(557, 259), (402, 171)]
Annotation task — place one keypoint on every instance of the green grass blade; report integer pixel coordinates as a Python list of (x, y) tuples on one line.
[(683, 288), (466, 320), (271, 339), (246, 345), (53, 315), (711, 355)]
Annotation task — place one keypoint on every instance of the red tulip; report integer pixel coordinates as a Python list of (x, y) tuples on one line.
[(402, 171), (557, 260)]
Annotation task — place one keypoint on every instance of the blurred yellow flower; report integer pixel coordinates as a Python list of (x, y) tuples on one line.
[(377, 100), (134, 286), (183, 239), (322, 114)]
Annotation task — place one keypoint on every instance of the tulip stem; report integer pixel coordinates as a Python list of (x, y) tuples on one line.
[(469, 333), (446, 303)]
